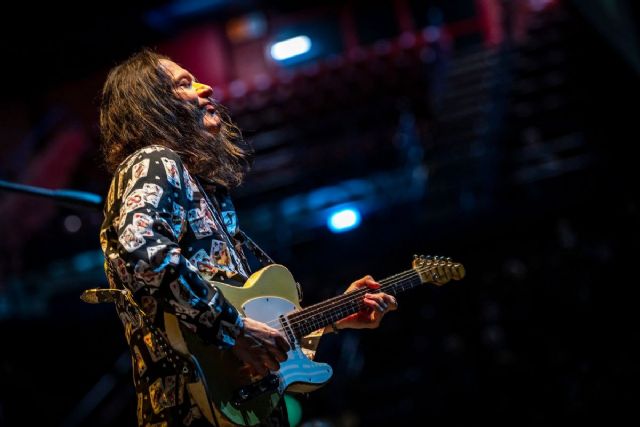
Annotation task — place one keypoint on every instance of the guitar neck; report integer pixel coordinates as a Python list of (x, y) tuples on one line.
[(319, 315)]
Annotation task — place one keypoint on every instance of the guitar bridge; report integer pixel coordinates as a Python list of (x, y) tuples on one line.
[(269, 384)]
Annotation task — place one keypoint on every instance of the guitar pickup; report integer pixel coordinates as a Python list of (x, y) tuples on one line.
[(269, 384)]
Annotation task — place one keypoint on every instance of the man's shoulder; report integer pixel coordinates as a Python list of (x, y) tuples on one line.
[(150, 152), (155, 150)]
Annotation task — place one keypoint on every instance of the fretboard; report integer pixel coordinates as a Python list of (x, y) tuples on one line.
[(319, 315)]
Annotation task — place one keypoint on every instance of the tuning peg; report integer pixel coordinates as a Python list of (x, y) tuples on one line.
[(428, 257), (448, 259), (415, 256)]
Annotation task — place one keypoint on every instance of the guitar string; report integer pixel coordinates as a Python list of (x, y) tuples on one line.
[(350, 297), (346, 300), (353, 297)]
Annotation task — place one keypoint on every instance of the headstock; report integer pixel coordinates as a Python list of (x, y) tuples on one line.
[(437, 270)]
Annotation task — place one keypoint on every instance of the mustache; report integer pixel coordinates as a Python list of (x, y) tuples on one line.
[(219, 110)]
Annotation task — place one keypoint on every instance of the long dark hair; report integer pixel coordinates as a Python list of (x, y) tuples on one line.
[(139, 108)]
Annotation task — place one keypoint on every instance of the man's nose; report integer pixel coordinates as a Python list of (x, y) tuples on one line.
[(203, 91)]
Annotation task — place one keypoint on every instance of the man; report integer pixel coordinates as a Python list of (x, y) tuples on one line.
[(170, 230)]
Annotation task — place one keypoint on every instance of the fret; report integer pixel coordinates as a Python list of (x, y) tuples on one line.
[(322, 314)]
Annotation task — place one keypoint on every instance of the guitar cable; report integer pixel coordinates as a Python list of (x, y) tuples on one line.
[(200, 373)]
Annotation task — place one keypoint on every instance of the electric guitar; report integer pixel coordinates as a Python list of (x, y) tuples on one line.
[(270, 295)]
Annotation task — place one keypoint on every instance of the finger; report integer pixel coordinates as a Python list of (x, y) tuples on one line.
[(378, 305), (260, 368), (370, 283), (366, 281), (278, 349), (255, 359), (282, 342), (270, 361), (379, 297), (375, 304), (276, 353), (254, 343), (391, 301)]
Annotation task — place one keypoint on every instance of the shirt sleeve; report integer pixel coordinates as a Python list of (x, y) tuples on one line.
[(150, 219)]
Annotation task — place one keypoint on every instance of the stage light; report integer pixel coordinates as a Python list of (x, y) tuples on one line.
[(290, 48), (344, 220)]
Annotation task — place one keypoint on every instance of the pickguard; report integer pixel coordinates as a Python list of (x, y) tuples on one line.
[(298, 373)]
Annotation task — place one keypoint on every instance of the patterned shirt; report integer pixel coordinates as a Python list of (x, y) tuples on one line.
[(164, 241)]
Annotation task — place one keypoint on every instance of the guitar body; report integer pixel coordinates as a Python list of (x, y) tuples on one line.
[(235, 396), (269, 293)]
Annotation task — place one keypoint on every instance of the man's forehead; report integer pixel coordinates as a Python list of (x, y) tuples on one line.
[(172, 68)]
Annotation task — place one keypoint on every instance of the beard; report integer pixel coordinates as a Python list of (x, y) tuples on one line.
[(220, 156)]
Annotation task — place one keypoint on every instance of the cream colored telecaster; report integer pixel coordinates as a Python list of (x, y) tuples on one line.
[(230, 389)]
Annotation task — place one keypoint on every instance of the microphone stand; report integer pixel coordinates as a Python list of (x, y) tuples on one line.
[(70, 198)]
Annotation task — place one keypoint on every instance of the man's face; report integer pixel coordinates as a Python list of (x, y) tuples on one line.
[(186, 88)]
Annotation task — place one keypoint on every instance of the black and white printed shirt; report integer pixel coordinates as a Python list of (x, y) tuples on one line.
[(164, 241)]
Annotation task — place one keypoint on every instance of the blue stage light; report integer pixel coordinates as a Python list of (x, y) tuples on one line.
[(344, 220)]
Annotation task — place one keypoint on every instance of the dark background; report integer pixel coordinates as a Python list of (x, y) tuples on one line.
[(498, 133)]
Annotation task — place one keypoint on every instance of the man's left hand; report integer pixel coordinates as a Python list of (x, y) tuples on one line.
[(376, 305)]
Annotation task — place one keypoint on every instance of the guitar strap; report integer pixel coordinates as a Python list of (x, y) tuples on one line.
[(233, 230), (247, 242)]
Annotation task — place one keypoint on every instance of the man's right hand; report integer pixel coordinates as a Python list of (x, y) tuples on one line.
[(261, 347)]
